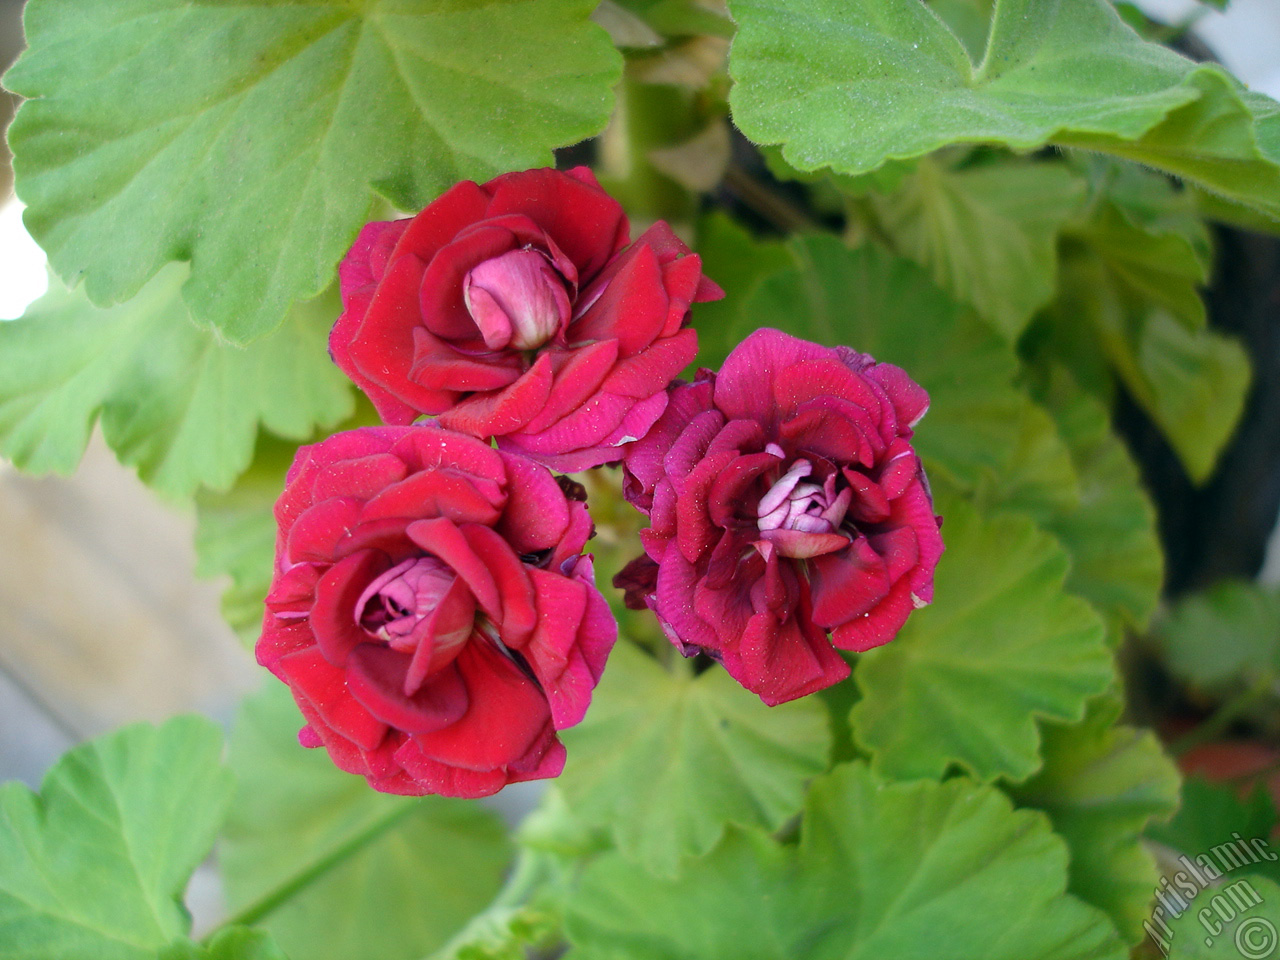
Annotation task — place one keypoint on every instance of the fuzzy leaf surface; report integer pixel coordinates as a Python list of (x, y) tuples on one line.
[(174, 401), (1001, 646), (667, 760), (942, 870), (95, 864), (250, 138), (854, 86)]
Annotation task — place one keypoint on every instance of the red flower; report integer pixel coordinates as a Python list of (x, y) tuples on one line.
[(517, 310), (431, 612), (785, 503)]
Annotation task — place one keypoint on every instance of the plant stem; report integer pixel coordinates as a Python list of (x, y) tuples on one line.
[(264, 905), (529, 873), (778, 210), (647, 117), (1225, 715)]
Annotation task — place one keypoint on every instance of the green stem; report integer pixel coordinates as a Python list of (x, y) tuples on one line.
[(530, 872), (266, 904), (527, 874), (648, 117), (779, 211), (1227, 714)]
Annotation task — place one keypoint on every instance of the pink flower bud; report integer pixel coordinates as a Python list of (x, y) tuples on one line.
[(517, 300)]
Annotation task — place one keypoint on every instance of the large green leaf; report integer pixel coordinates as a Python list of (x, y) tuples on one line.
[(249, 137), (95, 865), (667, 759), (982, 435), (1101, 785), (1229, 632), (174, 401), (1000, 646), (1116, 563), (936, 870), (375, 875), (851, 86), (988, 234)]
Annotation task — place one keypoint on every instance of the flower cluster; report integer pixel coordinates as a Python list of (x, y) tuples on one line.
[(432, 610)]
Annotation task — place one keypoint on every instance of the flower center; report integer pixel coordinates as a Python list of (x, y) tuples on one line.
[(518, 300), (394, 604), (802, 518)]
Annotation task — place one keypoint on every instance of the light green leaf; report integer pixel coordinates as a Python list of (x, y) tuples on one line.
[(1000, 646), (946, 871), (1116, 564), (1208, 817), (969, 20), (174, 401), (249, 138), (1191, 381), (853, 86), (1229, 632), (982, 435), (666, 760), (988, 234), (1239, 919), (1101, 785), (95, 865), (236, 535), (380, 876)]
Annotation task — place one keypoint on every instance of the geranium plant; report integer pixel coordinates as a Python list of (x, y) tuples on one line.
[(740, 481)]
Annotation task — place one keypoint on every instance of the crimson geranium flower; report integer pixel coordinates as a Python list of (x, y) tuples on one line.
[(431, 611), (519, 309), (786, 504)]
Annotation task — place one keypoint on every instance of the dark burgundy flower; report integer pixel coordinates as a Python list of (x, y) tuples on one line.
[(431, 610), (785, 504), (521, 310)]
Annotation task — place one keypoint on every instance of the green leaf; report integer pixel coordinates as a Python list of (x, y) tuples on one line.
[(988, 234), (1239, 919), (666, 760), (1229, 632), (938, 870), (526, 914), (95, 865), (1208, 817), (1000, 646), (982, 435), (249, 138), (1133, 289), (969, 20), (1116, 563), (174, 401), (351, 873), (236, 535), (1101, 785), (851, 87)]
